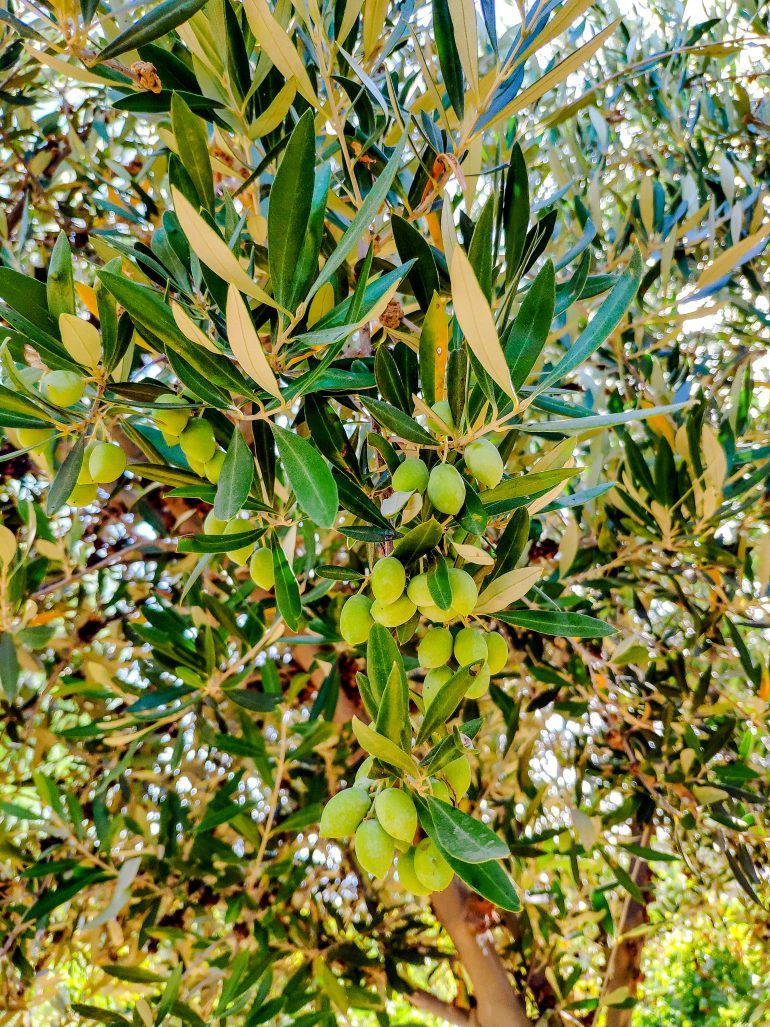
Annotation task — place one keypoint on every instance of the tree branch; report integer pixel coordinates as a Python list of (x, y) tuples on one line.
[(496, 1001), (624, 965), (438, 1007)]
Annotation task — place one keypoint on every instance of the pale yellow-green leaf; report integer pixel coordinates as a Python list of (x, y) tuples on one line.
[(731, 259), (270, 119), (8, 546), (562, 20), (73, 71), (246, 345), (275, 42), (476, 321), (552, 78), (463, 15), (81, 340), (762, 561), (473, 554), (381, 747), (190, 329), (506, 589), (213, 250), (352, 10), (321, 304)]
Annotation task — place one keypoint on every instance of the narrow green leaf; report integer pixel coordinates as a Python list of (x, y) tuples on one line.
[(235, 478), (445, 702), (193, 146), (601, 326), (309, 476), (9, 666), (363, 219), (396, 421), (383, 749), (557, 622), (156, 23), (462, 836), (291, 197), (528, 332), (66, 477), (60, 283), (393, 714), (287, 595)]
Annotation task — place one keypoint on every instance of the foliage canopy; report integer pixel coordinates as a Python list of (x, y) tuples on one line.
[(384, 400)]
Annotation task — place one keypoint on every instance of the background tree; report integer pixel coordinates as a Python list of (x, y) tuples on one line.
[(242, 260)]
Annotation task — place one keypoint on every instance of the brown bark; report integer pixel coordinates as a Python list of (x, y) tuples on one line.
[(497, 1004), (438, 1007), (625, 965)]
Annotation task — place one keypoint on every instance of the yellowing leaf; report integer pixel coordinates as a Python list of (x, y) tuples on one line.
[(246, 345), (190, 329), (473, 554), (463, 15), (275, 42), (270, 119), (553, 77), (476, 321), (213, 250), (81, 340), (732, 258), (507, 589)]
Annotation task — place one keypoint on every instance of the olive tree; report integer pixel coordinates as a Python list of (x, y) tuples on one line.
[(383, 552)]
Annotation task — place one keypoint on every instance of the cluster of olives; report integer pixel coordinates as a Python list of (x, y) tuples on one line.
[(394, 602), (103, 463), (388, 825), (259, 558), (444, 483), (194, 436)]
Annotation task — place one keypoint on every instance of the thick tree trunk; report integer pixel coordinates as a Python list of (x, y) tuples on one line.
[(497, 1004), (625, 967)]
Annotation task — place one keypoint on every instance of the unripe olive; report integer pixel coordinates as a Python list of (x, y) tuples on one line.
[(457, 774), (63, 388), (437, 615), (435, 649), (197, 441), (397, 813), (440, 790), (411, 475), (362, 774), (444, 411), (497, 649), (343, 813), (388, 579), (261, 569), (407, 876), (106, 462), (82, 495), (213, 467), (470, 646), (432, 870), (434, 681), (374, 848), (36, 437), (235, 527), (392, 615), (480, 684), (213, 525), (465, 594), (446, 489), (172, 422), (418, 590), (483, 460), (356, 619)]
